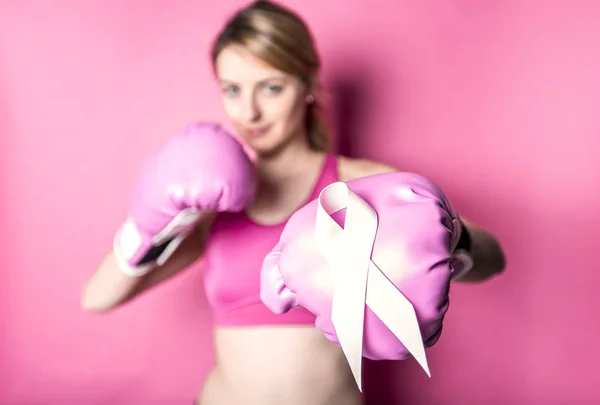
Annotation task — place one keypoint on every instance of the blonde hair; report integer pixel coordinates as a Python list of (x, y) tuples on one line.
[(280, 38)]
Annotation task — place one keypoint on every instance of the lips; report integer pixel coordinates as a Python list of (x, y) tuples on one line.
[(256, 132)]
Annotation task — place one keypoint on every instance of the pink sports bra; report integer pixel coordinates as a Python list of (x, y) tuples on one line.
[(233, 258)]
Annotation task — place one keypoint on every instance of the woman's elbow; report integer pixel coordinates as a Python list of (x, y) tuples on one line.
[(93, 307), (91, 301)]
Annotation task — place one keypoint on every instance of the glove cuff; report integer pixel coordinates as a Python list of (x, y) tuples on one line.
[(462, 259), (138, 256), (126, 242), (465, 242)]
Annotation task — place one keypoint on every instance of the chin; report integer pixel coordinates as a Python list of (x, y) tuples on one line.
[(264, 151), (266, 146)]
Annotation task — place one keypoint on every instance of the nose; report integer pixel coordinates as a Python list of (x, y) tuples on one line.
[(250, 108)]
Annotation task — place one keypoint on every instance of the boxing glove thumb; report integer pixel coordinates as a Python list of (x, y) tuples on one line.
[(274, 293)]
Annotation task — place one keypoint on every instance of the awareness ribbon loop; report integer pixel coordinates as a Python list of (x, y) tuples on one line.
[(358, 281)]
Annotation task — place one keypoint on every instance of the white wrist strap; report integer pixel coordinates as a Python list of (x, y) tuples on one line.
[(127, 241), (465, 263)]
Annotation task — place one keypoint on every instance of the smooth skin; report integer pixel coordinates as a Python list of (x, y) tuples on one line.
[(258, 365)]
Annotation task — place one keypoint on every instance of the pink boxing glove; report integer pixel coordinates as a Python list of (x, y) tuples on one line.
[(203, 168), (372, 259)]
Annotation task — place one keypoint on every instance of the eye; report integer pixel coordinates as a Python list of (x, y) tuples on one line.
[(231, 90), (273, 89)]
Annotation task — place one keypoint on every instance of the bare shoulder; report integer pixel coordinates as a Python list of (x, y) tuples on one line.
[(353, 168)]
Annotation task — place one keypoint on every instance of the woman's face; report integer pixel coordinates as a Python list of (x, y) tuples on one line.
[(266, 106)]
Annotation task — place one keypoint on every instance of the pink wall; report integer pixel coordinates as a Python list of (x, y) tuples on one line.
[(511, 88)]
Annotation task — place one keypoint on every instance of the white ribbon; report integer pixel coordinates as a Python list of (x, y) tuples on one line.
[(358, 281)]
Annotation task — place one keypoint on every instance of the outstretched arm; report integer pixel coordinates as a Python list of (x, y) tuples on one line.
[(484, 249)]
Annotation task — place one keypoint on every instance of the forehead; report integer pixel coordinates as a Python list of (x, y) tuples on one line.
[(236, 64)]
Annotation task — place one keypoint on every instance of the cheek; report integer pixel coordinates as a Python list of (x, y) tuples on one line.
[(231, 110), (287, 113)]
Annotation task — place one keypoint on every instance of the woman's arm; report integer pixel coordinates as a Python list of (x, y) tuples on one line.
[(109, 287), (484, 249)]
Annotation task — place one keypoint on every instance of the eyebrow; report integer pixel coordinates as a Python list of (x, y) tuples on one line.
[(268, 79)]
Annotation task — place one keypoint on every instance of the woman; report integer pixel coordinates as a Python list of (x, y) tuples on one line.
[(268, 68)]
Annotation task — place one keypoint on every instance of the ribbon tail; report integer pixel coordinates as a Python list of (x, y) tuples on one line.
[(348, 307), (397, 313), (351, 340), (348, 303)]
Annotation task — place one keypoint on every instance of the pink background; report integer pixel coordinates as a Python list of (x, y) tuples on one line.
[(497, 101)]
